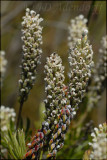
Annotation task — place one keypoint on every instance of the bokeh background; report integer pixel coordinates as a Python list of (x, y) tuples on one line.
[(56, 15)]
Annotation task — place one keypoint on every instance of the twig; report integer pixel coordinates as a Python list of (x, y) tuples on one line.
[(90, 12), (19, 115), (41, 155)]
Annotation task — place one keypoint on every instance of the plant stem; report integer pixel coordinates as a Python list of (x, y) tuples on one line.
[(19, 115), (90, 11), (41, 155)]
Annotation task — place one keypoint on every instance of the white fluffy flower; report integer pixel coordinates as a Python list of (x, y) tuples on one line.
[(102, 64), (99, 142), (81, 62), (32, 40), (6, 115), (76, 28), (100, 75), (3, 63)]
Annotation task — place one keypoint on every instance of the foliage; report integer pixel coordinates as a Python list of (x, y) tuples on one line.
[(8, 130), (60, 129), (15, 144)]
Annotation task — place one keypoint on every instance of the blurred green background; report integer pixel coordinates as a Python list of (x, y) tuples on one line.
[(56, 15)]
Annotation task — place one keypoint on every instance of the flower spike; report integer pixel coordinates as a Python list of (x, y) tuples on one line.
[(32, 40)]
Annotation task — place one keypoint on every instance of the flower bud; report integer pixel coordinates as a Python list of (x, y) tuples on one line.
[(99, 141)]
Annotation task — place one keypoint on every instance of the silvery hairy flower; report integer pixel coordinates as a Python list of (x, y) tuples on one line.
[(101, 71), (32, 40), (54, 85), (60, 126), (7, 116), (55, 102), (58, 114), (3, 63), (99, 142), (76, 28), (81, 61), (99, 76)]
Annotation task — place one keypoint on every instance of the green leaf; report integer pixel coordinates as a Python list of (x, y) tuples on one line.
[(15, 144)]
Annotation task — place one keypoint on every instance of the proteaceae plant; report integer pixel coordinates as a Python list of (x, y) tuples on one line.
[(54, 102), (61, 101), (81, 61), (58, 108), (99, 141), (32, 40), (76, 28), (3, 63)]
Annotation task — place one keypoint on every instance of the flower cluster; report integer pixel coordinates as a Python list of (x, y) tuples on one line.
[(57, 115), (81, 61), (101, 74), (58, 108), (60, 129), (57, 103), (57, 92), (6, 115), (99, 142), (77, 26), (3, 63), (32, 40)]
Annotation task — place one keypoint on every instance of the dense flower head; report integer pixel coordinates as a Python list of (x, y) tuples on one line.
[(56, 101), (76, 28), (32, 40), (99, 76), (101, 71), (81, 61), (99, 142), (54, 83), (58, 108), (7, 117), (3, 63), (57, 112)]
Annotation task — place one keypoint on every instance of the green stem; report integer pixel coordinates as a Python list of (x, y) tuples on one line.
[(41, 155), (19, 115)]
